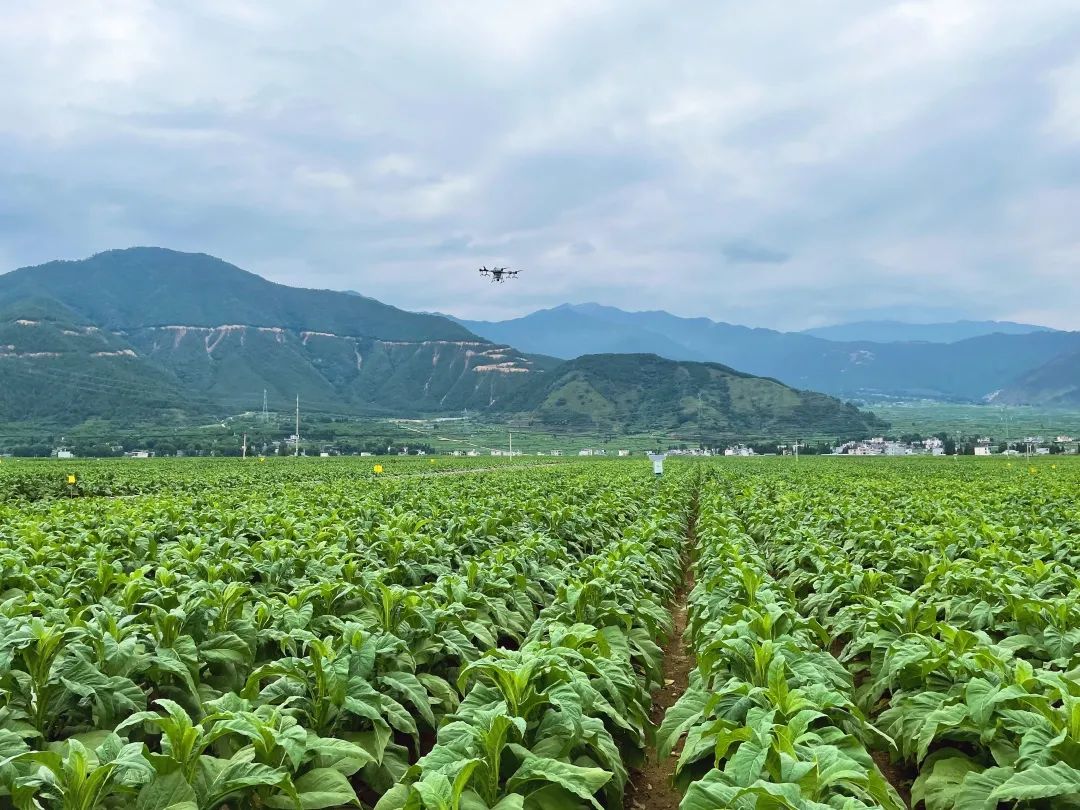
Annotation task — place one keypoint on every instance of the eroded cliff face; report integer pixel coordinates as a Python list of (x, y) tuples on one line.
[(427, 375)]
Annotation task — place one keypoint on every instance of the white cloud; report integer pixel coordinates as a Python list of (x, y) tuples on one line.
[(1063, 122)]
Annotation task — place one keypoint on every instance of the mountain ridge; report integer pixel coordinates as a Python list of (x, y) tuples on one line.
[(895, 331), (965, 370), (139, 276), (202, 333), (1056, 383), (143, 331), (645, 392)]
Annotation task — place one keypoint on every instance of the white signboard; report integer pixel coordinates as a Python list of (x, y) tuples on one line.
[(657, 460)]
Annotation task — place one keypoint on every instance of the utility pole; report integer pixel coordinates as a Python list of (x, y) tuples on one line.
[(243, 452), (265, 413), (511, 446), (700, 428), (298, 426)]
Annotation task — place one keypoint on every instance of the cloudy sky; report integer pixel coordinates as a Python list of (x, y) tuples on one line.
[(769, 163)]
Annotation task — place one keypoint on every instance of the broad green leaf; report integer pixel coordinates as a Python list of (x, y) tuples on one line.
[(318, 789), (687, 711), (975, 790), (583, 782), (1039, 782), (940, 779), (168, 792)]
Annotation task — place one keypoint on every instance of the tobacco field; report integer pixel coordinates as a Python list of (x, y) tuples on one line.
[(201, 634)]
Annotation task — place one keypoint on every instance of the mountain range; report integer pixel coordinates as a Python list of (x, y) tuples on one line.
[(998, 361), (140, 333), (899, 331)]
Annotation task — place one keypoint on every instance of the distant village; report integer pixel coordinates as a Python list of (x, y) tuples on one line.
[(937, 446), (877, 446)]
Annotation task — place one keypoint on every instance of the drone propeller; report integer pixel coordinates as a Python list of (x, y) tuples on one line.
[(498, 274)]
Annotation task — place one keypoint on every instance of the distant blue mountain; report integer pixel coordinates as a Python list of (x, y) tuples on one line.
[(899, 331), (962, 368)]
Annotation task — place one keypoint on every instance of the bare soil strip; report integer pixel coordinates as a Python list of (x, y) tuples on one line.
[(650, 786)]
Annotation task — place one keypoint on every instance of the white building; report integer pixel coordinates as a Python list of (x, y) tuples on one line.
[(624, 453), (586, 452), (982, 449)]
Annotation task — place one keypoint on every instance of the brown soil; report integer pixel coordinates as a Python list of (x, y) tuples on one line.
[(896, 773), (650, 785)]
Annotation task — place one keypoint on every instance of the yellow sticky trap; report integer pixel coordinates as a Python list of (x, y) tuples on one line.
[(378, 469), (1032, 470), (432, 461), (71, 479), (262, 460)]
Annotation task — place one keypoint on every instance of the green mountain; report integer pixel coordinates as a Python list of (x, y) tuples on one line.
[(130, 333), (57, 367), (148, 286), (644, 392), (1053, 384), (964, 370), (152, 334)]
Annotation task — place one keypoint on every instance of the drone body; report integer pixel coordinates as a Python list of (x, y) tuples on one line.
[(498, 274)]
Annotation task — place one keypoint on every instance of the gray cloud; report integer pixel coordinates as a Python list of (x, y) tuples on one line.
[(896, 157), (743, 251)]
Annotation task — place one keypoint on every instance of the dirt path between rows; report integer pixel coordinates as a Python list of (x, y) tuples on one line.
[(650, 785)]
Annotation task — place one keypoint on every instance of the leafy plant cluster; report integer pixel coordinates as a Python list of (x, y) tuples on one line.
[(311, 645), (769, 718), (952, 598), (556, 723), (24, 481)]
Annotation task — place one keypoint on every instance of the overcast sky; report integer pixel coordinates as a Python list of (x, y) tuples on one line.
[(770, 163)]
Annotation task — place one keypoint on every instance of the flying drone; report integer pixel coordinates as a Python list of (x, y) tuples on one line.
[(498, 274)]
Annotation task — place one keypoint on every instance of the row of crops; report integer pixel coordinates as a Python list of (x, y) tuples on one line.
[(856, 619), (248, 635), (26, 480), (464, 641)]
